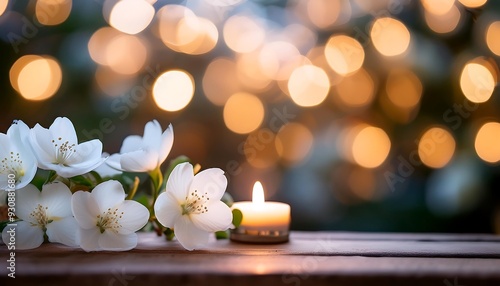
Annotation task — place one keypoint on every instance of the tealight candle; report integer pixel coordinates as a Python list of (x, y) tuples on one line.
[(263, 222)]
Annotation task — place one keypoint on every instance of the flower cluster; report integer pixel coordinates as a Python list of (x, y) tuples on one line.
[(83, 201)]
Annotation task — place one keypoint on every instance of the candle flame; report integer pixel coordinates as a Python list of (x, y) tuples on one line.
[(258, 193)]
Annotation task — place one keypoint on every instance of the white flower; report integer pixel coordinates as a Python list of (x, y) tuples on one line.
[(144, 154), (106, 171), (17, 160), (106, 220), (191, 205), (57, 149), (46, 212)]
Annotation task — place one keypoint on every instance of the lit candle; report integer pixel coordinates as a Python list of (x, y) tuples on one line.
[(263, 222)]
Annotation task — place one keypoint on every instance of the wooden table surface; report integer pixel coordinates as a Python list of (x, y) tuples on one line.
[(310, 258)]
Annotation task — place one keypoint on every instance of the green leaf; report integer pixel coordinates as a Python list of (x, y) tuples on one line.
[(169, 234), (4, 223), (81, 180), (237, 217), (224, 234)]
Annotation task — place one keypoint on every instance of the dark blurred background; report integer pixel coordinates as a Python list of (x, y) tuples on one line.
[(363, 115)]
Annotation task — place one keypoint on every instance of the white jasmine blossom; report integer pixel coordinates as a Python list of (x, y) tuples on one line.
[(57, 149), (17, 161), (192, 205), (144, 154), (107, 221), (43, 213)]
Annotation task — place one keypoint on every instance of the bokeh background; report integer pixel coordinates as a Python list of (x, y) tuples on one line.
[(363, 115)]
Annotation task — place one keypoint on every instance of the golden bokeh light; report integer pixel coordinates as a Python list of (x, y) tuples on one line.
[(308, 85), (477, 82), (206, 38), (243, 34), (131, 16), (371, 146), (38, 79), (278, 59), (436, 147), (18, 66), (487, 143), (390, 37), (52, 12), (355, 90), (344, 54), (173, 90), (248, 72), (473, 3), (445, 23), (294, 142), (3, 6), (493, 37), (243, 113), (403, 88), (317, 57), (126, 54), (112, 83), (259, 149), (323, 13), (220, 80), (99, 42), (439, 7)]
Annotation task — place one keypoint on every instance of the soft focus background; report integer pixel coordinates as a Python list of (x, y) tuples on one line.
[(363, 115)]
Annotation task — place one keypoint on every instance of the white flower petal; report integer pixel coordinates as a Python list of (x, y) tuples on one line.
[(63, 127), (30, 168), (218, 217), (57, 198), (179, 180), (134, 217), (110, 240), (26, 236), (189, 236), (114, 162), (108, 194), (131, 143), (86, 154), (85, 209), (167, 209), (211, 182), (139, 161), (167, 140), (27, 200), (106, 171), (19, 130), (43, 149), (89, 239), (4, 146), (63, 231), (152, 136)]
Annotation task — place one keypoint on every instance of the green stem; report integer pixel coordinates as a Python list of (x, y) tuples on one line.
[(135, 186)]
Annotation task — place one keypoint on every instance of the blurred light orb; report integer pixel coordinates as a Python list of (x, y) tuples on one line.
[(487, 142), (403, 88), (477, 82), (473, 3), (38, 79), (131, 16), (178, 26), (439, 7), (206, 39), (436, 147), (355, 90), (3, 6), (344, 54), (371, 147), (173, 90), (126, 54), (249, 73), (445, 23), (52, 12), (323, 13), (243, 34), (294, 142), (220, 80), (390, 37), (275, 59), (308, 85), (493, 37), (99, 42), (18, 66), (243, 113)]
